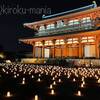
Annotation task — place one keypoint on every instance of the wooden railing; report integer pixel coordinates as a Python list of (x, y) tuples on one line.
[(94, 24)]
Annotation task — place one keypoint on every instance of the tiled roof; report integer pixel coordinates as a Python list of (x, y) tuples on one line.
[(71, 11)]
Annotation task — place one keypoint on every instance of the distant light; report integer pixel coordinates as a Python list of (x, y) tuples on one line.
[(8, 61), (1, 56)]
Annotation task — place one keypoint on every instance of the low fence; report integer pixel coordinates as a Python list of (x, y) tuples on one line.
[(63, 62), (85, 62)]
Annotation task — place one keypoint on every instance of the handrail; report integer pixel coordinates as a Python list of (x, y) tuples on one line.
[(72, 28)]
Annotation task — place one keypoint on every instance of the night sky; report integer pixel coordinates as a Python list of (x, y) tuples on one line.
[(11, 25)]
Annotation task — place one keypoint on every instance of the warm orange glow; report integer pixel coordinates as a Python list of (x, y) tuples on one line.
[(38, 43), (58, 42), (48, 43), (88, 39), (72, 40)]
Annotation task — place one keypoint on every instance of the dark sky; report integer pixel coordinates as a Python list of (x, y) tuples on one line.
[(11, 25)]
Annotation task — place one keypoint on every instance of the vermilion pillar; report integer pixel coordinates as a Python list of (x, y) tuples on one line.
[(43, 47), (97, 47), (61, 50), (33, 44), (80, 48), (54, 47)]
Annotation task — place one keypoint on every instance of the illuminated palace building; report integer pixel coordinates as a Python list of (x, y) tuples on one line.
[(74, 33)]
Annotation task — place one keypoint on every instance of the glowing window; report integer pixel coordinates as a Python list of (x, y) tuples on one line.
[(86, 19), (41, 28), (91, 40), (72, 40), (83, 41), (60, 23), (75, 42), (75, 39), (50, 26), (48, 43), (62, 42), (84, 37), (69, 41), (73, 22), (58, 42), (88, 39), (38, 44)]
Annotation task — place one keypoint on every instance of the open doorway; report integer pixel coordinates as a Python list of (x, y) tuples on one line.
[(46, 52)]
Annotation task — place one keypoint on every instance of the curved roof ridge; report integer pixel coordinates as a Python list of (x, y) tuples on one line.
[(71, 11)]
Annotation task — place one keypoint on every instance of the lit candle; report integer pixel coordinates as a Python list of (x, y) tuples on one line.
[(39, 80), (74, 80), (82, 78), (8, 94), (52, 92), (32, 76), (53, 78), (68, 76), (54, 83), (59, 80), (79, 93), (51, 86), (15, 76), (82, 85), (36, 97), (23, 82), (39, 75), (98, 80), (23, 79)]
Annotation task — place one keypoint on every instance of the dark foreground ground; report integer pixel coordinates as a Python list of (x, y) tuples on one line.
[(65, 90)]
